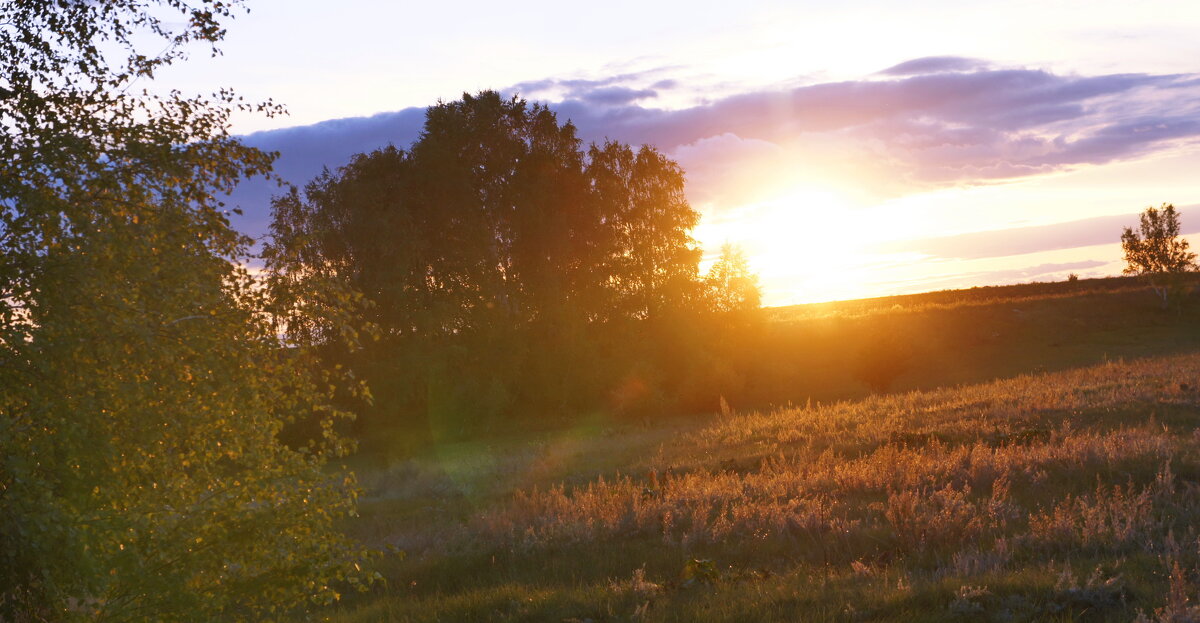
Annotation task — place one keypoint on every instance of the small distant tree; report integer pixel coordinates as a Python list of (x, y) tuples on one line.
[(1156, 252), (732, 286)]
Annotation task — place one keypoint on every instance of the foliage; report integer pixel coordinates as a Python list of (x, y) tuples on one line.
[(143, 384), (1157, 252), (699, 571), (508, 267)]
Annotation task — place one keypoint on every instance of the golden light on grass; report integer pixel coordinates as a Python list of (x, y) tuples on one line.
[(991, 484)]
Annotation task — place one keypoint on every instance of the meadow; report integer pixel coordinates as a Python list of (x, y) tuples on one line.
[(1068, 491), (939, 339), (368, 359)]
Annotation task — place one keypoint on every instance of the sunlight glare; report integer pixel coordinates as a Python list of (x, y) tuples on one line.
[(812, 244)]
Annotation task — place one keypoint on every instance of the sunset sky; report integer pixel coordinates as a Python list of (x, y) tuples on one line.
[(853, 149)]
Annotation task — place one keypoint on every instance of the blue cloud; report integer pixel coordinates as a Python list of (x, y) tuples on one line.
[(934, 65), (614, 96), (305, 151)]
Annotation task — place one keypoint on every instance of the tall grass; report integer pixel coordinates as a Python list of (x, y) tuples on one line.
[(1066, 496)]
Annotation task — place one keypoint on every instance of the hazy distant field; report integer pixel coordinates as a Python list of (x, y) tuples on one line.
[(959, 336), (1059, 496), (947, 299)]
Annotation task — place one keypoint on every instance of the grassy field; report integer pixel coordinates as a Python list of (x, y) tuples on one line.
[(955, 337), (1070, 492)]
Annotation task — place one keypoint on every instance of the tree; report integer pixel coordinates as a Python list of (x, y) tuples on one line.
[(733, 287), (142, 384), (649, 263), (1157, 253), (502, 259)]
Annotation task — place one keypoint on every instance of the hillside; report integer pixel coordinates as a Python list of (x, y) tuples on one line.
[(821, 352), (1060, 496), (942, 299)]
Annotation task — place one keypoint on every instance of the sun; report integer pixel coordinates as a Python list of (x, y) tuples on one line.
[(811, 244)]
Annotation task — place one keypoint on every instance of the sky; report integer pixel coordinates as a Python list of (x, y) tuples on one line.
[(852, 149)]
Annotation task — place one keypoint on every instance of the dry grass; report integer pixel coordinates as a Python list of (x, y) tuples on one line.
[(1067, 496)]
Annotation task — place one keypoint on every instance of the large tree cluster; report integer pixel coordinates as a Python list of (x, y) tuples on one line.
[(510, 267)]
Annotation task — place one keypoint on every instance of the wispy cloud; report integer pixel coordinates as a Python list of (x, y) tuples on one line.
[(1051, 271), (928, 130), (933, 65), (1022, 240), (619, 89)]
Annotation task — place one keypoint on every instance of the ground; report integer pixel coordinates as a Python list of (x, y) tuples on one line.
[(1065, 488)]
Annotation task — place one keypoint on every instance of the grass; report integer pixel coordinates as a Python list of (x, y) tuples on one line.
[(1063, 496)]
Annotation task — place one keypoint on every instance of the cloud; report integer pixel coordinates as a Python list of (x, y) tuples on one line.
[(922, 124), (934, 65), (534, 87), (1041, 272), (616, 95), (615, 90), (730, 170), (1021, 240), (890, 137), (1014, 117)]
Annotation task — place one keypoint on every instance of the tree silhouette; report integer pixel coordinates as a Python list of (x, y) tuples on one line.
[(1157, 253), (500, 256)]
